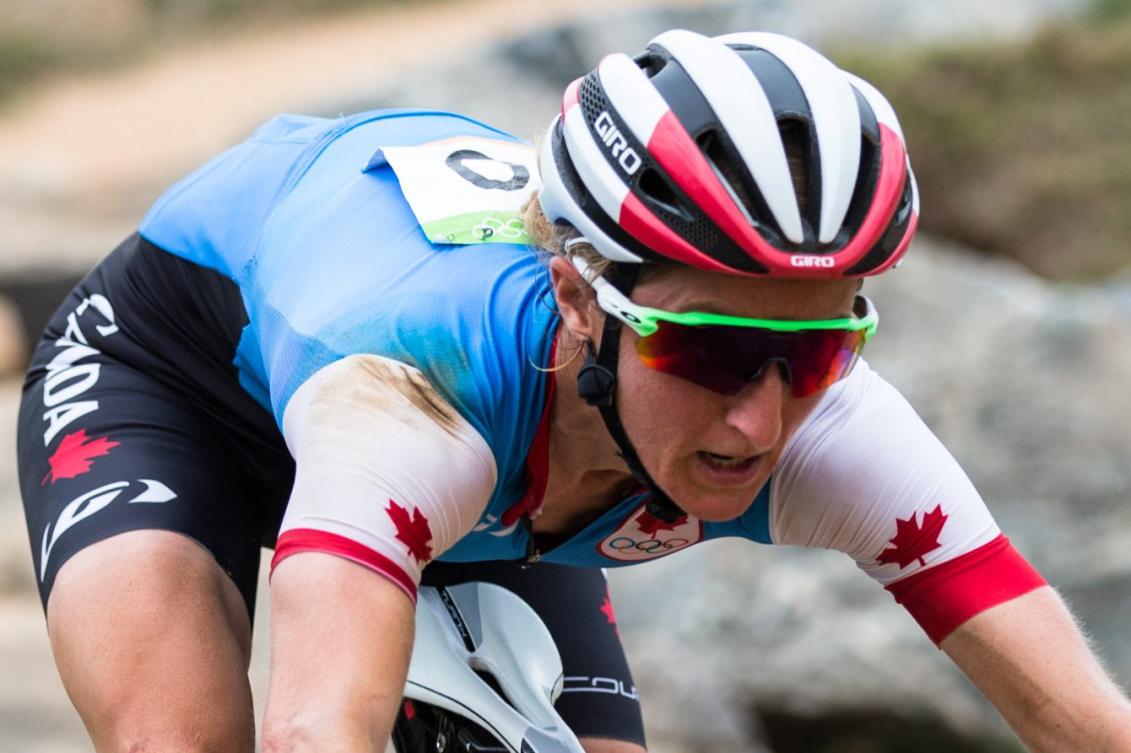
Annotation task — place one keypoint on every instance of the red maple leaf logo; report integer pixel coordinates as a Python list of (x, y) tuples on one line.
[(651, 525), (413, 531), (912, 541), (73, 455), (607, 610), (610, 615)]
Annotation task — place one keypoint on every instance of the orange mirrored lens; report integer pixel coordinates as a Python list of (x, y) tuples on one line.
[(725, 359)]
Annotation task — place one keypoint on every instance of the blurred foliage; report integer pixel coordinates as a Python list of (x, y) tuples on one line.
[(1020, 148), (1104, 11), (1023, 149), (206, 10), (22, 58)]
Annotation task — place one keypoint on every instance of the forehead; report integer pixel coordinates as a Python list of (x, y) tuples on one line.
[(685, 289)]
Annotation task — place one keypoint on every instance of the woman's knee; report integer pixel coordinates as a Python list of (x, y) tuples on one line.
[(152, 642)]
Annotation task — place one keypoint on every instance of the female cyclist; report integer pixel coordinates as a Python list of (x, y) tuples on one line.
[(399, 345)]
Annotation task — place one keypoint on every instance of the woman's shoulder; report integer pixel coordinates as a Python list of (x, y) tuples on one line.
[(215, 215)]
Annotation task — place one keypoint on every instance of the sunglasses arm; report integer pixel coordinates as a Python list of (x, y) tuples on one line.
[(614, 302), (642, 320)]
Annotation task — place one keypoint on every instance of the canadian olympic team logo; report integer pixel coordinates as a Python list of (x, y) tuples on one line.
[(643, 536)]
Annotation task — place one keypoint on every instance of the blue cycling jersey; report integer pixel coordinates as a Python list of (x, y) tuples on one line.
[(309, 219)]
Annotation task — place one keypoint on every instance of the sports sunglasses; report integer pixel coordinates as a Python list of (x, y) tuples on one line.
[(725, 353)]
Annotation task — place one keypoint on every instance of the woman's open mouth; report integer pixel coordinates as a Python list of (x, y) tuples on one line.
[(728, 469)]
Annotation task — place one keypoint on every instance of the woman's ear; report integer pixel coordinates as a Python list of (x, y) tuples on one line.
[(576, 301)]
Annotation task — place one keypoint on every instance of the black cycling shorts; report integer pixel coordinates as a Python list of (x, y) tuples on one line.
[(133, 418)]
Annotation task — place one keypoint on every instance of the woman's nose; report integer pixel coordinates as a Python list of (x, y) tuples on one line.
[(756, 411)]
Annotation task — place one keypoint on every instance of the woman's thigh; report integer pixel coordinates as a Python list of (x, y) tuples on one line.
[(146, 557), (152, 641), (142, 459), (599, 699)]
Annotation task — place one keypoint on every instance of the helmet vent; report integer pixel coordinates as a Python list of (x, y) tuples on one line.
[(661, 195), (869, 173), (651, 62), (795, 139), (727, 164), (723, 165), (863, 192), (892, 236)]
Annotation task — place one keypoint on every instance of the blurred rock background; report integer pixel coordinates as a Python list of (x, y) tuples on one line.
[(1006, 327)]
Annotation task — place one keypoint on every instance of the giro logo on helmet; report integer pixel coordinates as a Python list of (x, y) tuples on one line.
[(812, 261), (611, 137)]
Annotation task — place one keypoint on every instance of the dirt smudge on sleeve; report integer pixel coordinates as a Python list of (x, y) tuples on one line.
[(412, 386)]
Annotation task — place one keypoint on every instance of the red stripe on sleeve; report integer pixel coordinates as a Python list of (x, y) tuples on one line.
[(943, 597), (311, 540)]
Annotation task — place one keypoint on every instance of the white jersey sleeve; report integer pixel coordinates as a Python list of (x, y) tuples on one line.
[(388, 473), (864, 475)]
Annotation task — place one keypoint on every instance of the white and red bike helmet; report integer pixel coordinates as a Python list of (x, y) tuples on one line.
[(679, 155), (743, 154)]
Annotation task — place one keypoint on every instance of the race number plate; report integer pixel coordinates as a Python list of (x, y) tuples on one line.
[(467, 189)]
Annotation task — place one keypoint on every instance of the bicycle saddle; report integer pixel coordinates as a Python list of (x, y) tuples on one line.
[(484, 655)]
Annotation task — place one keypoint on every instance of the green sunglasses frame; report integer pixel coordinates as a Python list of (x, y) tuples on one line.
[(643, 319)]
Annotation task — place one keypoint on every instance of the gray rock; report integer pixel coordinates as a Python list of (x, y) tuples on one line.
[(1026, 384)]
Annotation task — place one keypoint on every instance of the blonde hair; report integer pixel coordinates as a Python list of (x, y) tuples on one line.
[(553, 239)]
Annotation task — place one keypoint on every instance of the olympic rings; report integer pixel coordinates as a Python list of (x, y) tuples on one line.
[(624, 543)]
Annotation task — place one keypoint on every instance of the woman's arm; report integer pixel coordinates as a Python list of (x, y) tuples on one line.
[(388, 476), (1030, 660), (341, 638)]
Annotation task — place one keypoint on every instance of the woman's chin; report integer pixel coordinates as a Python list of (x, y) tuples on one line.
[(714, 505), (715, 510)]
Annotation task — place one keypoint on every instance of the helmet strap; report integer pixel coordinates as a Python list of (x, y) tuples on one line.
[(597, 385)]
